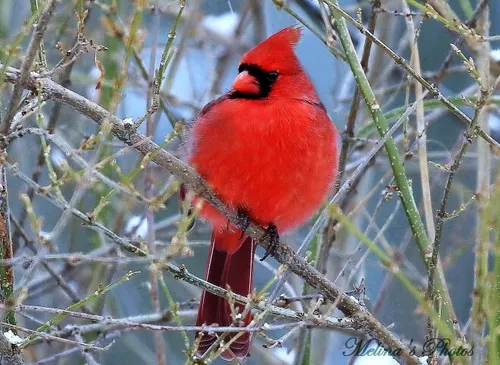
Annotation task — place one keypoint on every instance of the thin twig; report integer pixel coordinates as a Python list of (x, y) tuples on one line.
[(85, 351), (400, 61), (421, 129), (66, 287), (153, 92), (63, 78), (36, 39), (347, 135), (434, 291), (481, 283), (6, 252)]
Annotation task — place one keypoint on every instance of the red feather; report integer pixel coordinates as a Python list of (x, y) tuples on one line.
[(267, 146), (233, 271)]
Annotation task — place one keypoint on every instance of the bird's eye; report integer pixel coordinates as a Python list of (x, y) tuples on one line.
[(272, 75), (241, 68)]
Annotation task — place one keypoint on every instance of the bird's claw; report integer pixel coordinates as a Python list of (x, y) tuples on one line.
[(243, 220), (274, 239)]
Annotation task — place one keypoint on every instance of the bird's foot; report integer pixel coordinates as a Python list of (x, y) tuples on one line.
[(243, 220), (274, 240)]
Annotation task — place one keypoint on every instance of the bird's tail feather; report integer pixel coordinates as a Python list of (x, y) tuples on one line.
[(227, 270)]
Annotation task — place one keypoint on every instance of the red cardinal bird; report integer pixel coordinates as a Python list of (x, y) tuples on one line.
[(268, 149)]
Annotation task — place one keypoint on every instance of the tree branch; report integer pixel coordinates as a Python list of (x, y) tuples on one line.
[(362, 319)]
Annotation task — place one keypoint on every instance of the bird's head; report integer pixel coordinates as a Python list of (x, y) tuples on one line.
[(270, 68)]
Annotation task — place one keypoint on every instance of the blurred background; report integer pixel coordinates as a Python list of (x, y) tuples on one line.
[(203, 59)]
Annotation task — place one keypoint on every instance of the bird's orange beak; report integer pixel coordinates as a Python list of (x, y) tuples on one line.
[(246, 84)]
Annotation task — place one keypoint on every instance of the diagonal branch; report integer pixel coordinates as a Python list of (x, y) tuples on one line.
[(285, 255)]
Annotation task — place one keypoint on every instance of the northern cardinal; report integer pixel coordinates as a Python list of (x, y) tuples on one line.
[(269, 151)]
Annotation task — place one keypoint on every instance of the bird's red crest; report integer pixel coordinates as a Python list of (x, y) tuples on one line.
[(276, 52)]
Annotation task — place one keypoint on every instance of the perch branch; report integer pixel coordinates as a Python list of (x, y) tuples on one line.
[(365, 322)]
